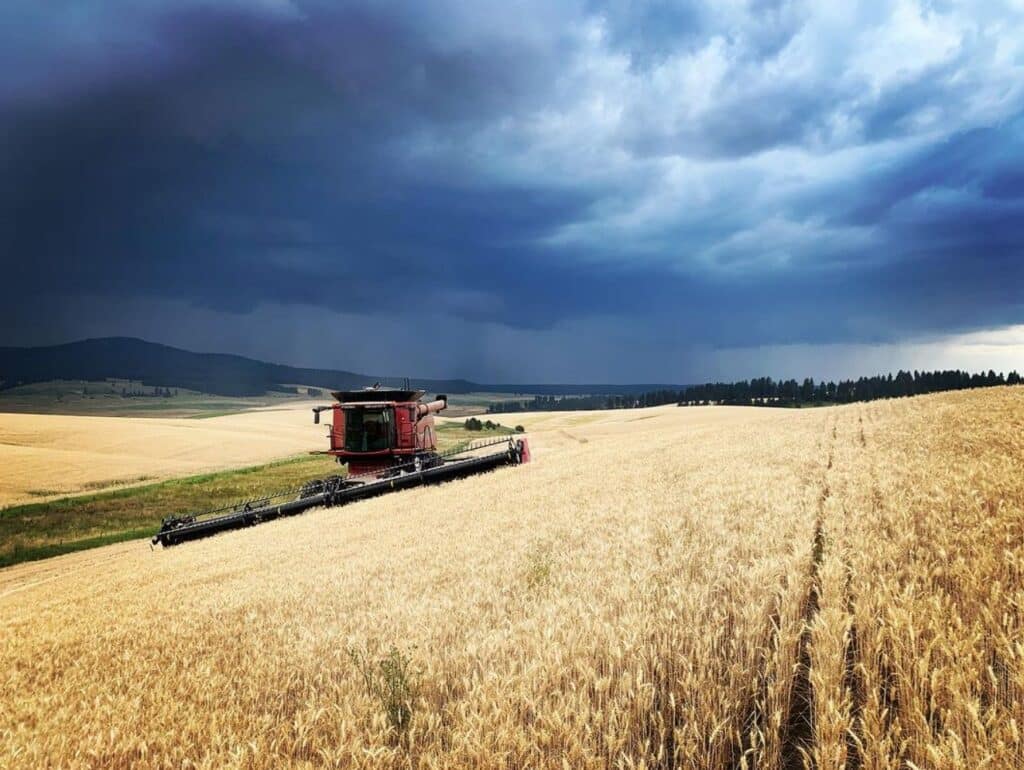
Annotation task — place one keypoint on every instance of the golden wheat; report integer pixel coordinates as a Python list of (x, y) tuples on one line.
[(931, 533), (45, 456), (671, 587)]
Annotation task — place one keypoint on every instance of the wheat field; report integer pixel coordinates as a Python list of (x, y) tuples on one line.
[(704, 587), (46, 456)]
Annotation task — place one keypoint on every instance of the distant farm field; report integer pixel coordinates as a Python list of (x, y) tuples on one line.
[(131, 398), (48, 456), (689, 588)]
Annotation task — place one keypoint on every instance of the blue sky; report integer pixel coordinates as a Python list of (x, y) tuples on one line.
[(582, 191)]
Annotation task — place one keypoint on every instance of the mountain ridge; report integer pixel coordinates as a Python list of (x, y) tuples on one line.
[(228, 374)]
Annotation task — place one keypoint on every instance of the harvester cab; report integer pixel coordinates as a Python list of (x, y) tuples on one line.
[(389, 442), (376, 431)]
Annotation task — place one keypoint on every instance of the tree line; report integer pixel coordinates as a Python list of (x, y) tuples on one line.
[(765, 391), (475, 424)]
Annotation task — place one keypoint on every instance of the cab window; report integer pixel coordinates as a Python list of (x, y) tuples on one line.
[(367, 430)]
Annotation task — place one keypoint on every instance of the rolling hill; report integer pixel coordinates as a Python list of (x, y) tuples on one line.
[(224, 374)]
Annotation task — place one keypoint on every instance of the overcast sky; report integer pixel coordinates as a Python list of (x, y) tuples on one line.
[(530, 191)]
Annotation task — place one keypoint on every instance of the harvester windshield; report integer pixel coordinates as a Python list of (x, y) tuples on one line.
[(368, 430)]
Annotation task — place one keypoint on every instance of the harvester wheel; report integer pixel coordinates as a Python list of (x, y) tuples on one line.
[(333, 483)]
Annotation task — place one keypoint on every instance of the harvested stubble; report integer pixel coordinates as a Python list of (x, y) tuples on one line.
[(637, 598)]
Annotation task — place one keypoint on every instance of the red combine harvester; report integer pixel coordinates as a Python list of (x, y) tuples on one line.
[(388, 440)]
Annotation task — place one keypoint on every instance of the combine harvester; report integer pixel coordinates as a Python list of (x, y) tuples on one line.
[(388, 439)]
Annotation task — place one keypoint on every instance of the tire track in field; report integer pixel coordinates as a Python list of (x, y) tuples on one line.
[(799, 744), (798, 724), (853, 674), (853, 682), (796, 730)]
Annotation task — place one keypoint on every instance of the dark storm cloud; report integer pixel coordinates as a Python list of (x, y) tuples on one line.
[(258, 164), (521, 167), (965, 191)]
